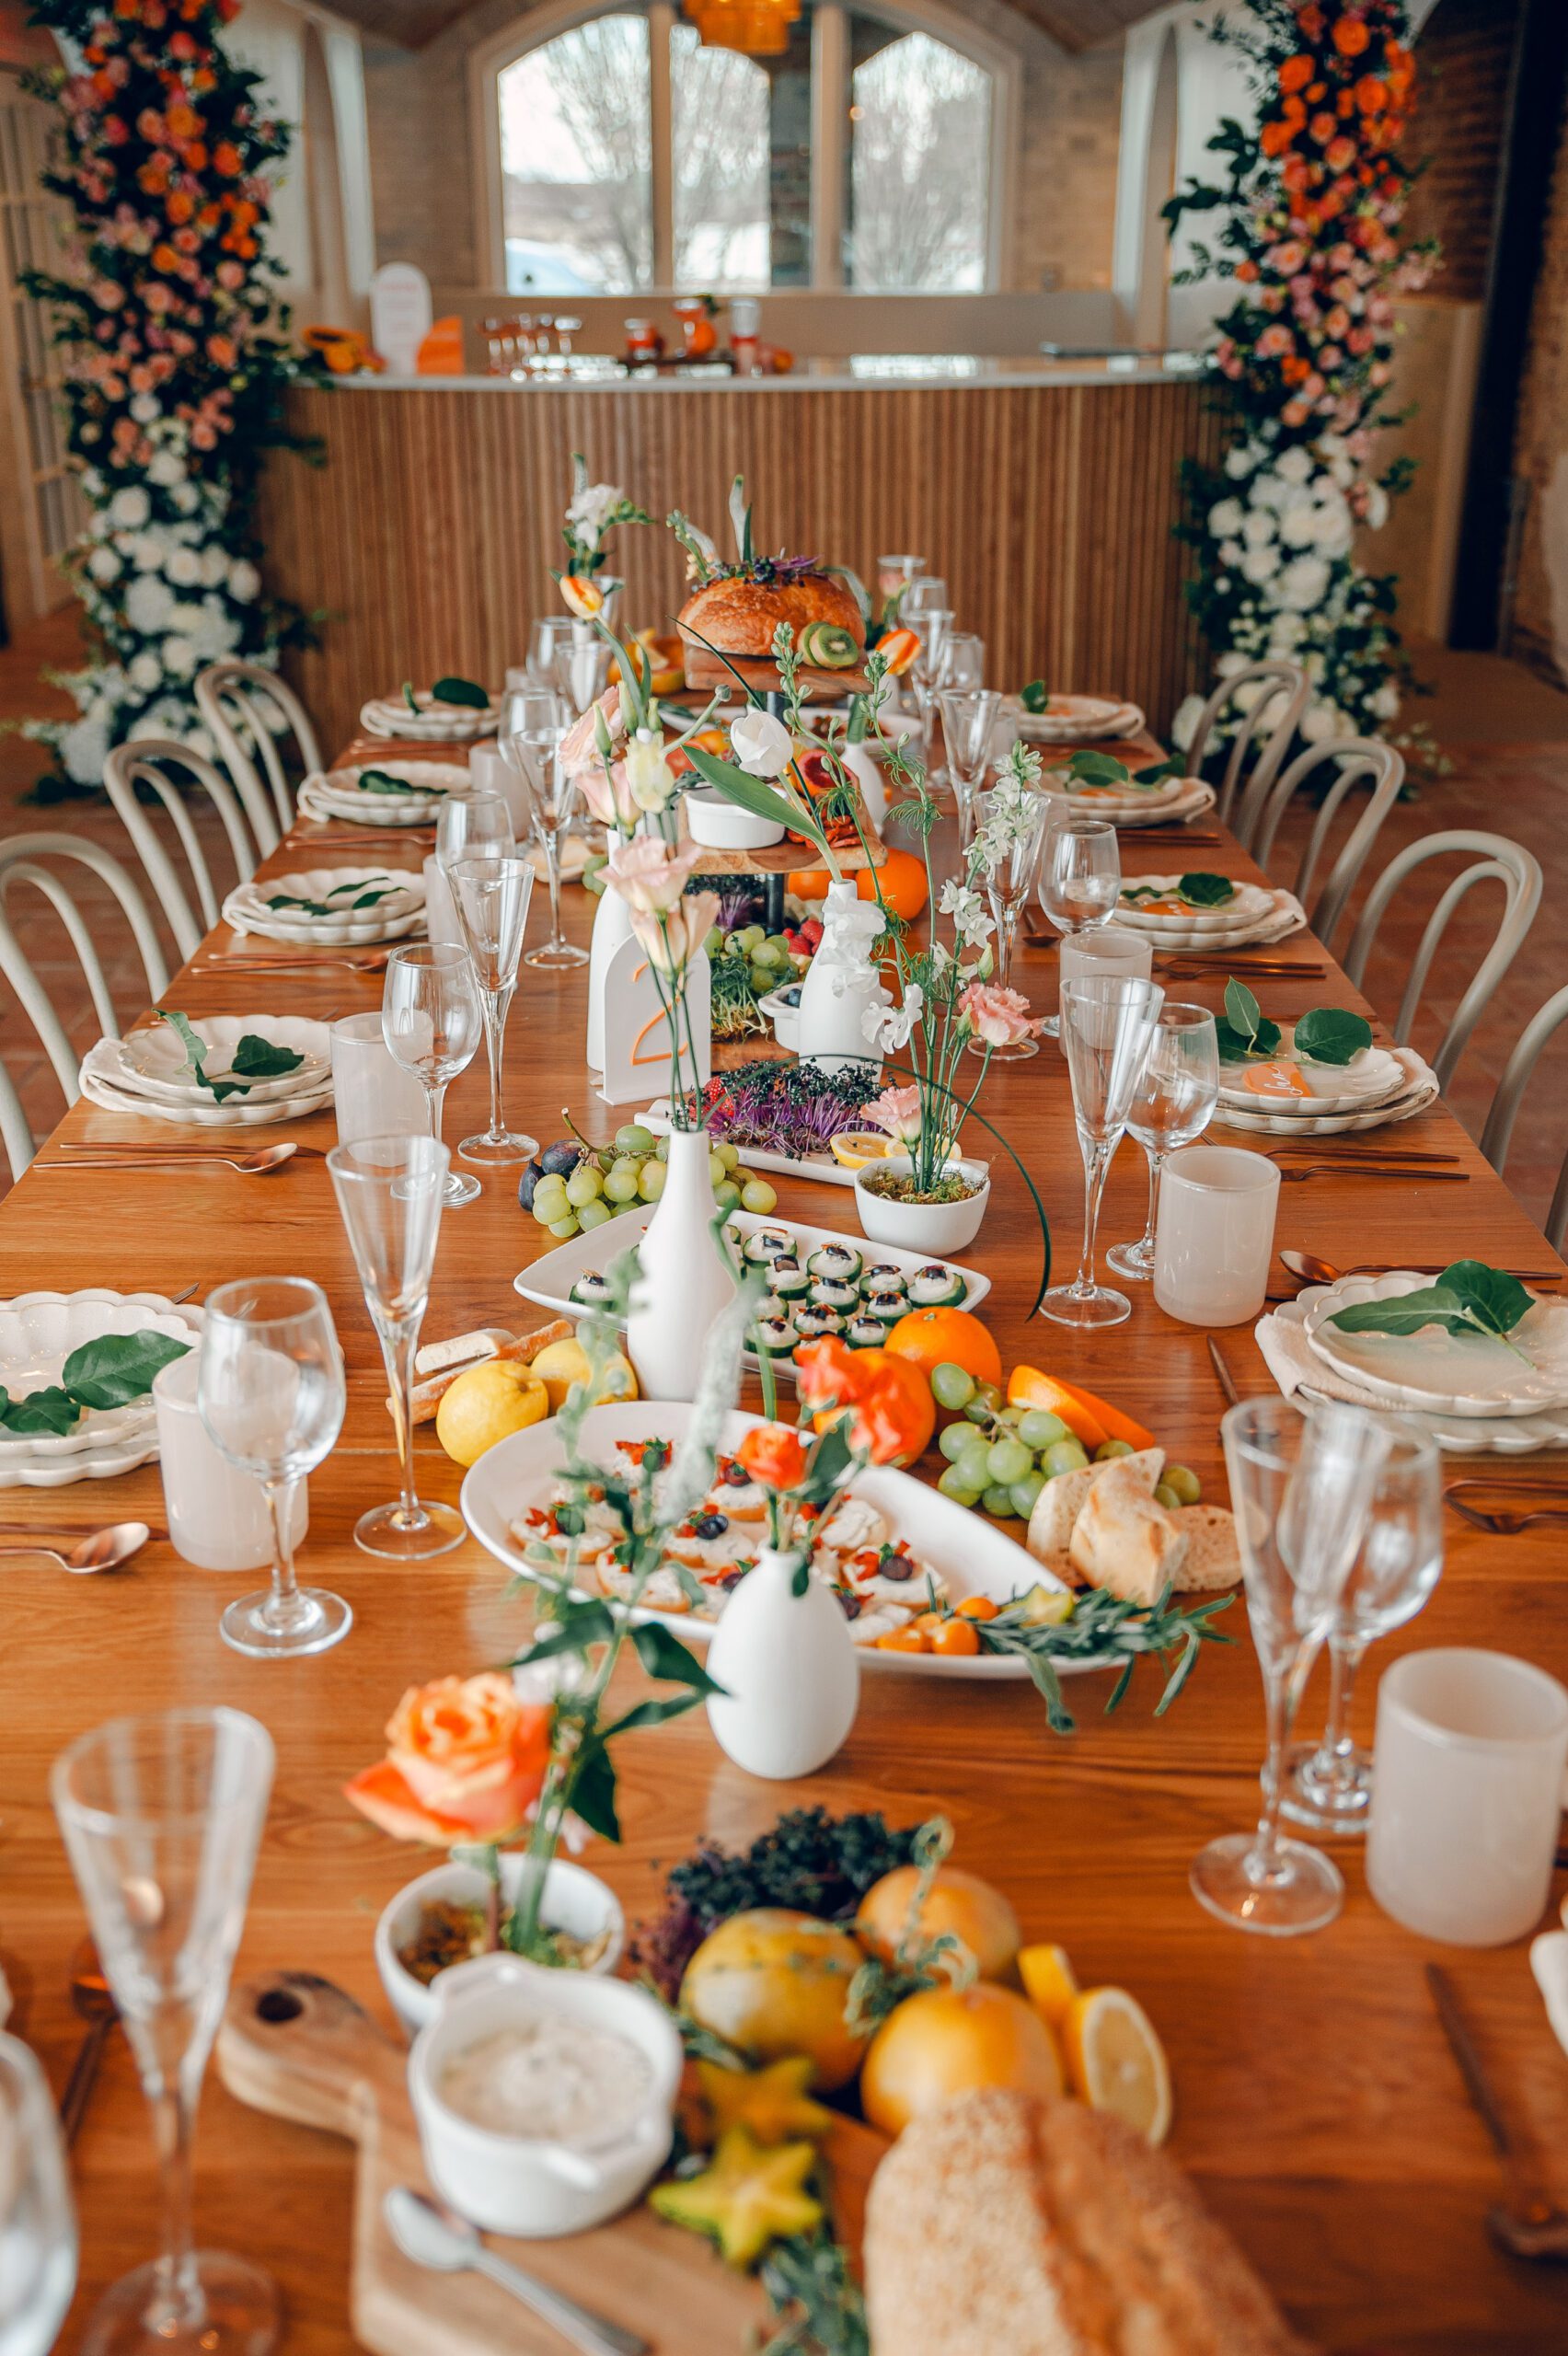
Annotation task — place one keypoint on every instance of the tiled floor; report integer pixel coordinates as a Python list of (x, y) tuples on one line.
[(1505, 731)]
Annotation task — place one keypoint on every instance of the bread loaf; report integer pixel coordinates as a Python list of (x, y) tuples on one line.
[(1003, 2227)]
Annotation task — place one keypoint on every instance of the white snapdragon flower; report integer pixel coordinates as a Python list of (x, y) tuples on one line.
[(244, 580), (1225, 519), (971, 921), (1303, 583), (130, 508)]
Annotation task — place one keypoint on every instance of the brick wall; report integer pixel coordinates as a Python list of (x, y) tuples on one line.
[(1540, 611), (1462, 57)]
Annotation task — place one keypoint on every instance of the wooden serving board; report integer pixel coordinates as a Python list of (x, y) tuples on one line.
[(300, 2047)]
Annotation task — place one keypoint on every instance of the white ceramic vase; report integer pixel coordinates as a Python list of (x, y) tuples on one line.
[(867, 771), (682, 1284), (841, 984), (790, 1673), (612, 925)]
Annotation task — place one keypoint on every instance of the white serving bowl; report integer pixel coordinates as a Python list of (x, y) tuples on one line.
[(721, 823), (575, 1901), (940, 1228), (530, 2185)]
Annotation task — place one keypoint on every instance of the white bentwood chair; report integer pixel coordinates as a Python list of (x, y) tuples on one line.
[(1499, 1130), (1514, 868), (21, 861), (1265, 732), (1348, 760), (232, 698), (170, 772)]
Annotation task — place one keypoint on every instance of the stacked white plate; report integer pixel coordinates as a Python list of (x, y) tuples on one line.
[(37, 1333), (148, 1074), (1073, 719), (341, 793), (398, 911), (430, 723), (1473, 1393), (1253, 913), (1379, 1084), (1171, 803)]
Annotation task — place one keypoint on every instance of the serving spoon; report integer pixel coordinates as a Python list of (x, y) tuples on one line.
[(105, 1549), (1313, 1271)]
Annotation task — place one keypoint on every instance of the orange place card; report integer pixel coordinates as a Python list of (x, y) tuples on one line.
[(1275, 1079), (441, 353)]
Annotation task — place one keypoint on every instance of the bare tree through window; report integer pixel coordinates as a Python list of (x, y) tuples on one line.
[(919, 167), (576, 149)]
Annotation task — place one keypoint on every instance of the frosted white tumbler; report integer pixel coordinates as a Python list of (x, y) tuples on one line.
[(372, 1094), (489, 772), (1467, 1794), (218, 1515), (1214, 1236), (1108, 949)]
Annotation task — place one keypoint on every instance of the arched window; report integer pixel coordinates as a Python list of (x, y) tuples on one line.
[(627, 156)]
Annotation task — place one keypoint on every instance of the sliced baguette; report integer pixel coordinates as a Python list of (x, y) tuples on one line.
[(1124, 1540), (1213, 1558), (1058, 1506), (520, 1348)]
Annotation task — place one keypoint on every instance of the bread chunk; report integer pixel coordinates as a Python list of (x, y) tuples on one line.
[(1124, 1540)]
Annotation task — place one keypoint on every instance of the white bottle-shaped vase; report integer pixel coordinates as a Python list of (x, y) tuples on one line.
[(612, 925), (841, 984), (682, 1284), (790, 1673)]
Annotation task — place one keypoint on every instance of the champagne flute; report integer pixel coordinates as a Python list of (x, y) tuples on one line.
[(1327, 1785), (491, 897), (431, 1021), (1172, 1104), (552, 804), (582, 667), (270, 1388), (161, 1818), (388, 1192), (1010, 830), (927, 594), (38, 2224), (477, 820), (933, 623), (969, 720), (1108, 1023), (1080, 879), (1301, 1487)]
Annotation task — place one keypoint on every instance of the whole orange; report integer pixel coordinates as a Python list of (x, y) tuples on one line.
[(933, 1337), (905, 885), (972, 1909), (950, 2041), (917, 1408), (807, 883)]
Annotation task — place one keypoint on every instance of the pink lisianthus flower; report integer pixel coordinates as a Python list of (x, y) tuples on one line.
[(897, 1110), (998, 1016), (650, 877), (607, 793), (673, 936), (580, 745)]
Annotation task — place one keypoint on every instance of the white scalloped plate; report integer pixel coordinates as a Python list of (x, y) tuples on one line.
[(432, 723), (339, 793), (391, 813), (1195, 800), (1074, 720), (37, 1333), (1459, 1435), (151, 1061), (1441, 1373), (1117, 801), (100, 1088), (391, 918), (92, 1464), (1286, 915), (1416, 1091), (1375, 1075), (1250, 905)]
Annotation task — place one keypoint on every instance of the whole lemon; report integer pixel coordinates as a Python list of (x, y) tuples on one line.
[(486, 1403), (945, 2042), (775, 1982), (564, 1363)]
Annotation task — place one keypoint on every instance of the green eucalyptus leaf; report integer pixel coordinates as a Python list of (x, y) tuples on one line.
[(195, 1048), (258, 1058), (1329, 1034), (382, 782), (461, 691), (117, 1367), (1494, 1298), (50, 1410)]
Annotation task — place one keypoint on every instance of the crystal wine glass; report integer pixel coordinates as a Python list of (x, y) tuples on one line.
[(491, 897), (1329, 1785), (963, 661), (1009, 878), (472, 822), (969, 720), (1081, 879), (161, 1818), (1172, 1104), (270, 1388), (544, 640), (431, 1021), (552, 796), (933, 623), (582, 667), (38, 2224), (388, 1192), (1108, 1023), (927, 594), (1301, 1487)]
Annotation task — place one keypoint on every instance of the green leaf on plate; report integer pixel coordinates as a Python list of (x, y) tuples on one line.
[(1246, 1035), (117, 1367), (1496, 1300), (258, 1058), (1467, 1298), (410, 698), (1099, 768), (1160, 771), (461, 691), (1329, 1034), (383, 782), (194, 1046), (1035, 697), (50, 1410), (1202, 890)]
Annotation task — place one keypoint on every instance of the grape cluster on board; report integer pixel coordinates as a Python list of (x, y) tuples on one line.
[(572, 1187), (999, 1458)]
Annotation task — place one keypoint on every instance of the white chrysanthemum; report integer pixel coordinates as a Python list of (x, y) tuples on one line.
[(149, 725), (183, 567), (213, 633), (1332, 528), (1242, 461), (1318, 723), (185, 497), (145, 409), (1230, 552), (244, 580), (215, 565), (104, 563), (130, 507), (1384, 701), (166, 468), (1286, 633), (1258, 530), (149, 602), (1295, 464), (1303, 583), (180, 656), (1225, 519), (1260, 564), (145, 551), (199, 740), (84, 748), (145, 672)]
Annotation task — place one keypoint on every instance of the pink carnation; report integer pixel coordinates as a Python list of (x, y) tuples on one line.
[(999, 1016), (897, 1110)]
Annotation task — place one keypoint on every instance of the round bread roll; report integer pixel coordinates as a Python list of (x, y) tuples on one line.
[(740, 616)]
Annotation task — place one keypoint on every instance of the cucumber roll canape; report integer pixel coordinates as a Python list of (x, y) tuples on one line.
[(767, 1243), (881, 1277), (814, 1325), (828, 1293), (840, 1261), (886, 1307), (774, 1336), (865, 1332), (787, 1279), (591, 1289), (936, 1286)]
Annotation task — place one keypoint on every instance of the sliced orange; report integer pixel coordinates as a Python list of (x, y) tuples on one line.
[(1027, 1387), (1277, 1079), (1048, 1982), (1115, 1423)]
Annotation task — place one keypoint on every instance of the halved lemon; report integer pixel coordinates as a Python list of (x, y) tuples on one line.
[(1115, 2062), (854, 1148)]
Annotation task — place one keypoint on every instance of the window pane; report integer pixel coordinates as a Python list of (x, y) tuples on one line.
[(574, 160), (719, 107), (919, 162)]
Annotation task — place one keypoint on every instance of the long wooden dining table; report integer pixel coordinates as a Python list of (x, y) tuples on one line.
[(1317, 2103)]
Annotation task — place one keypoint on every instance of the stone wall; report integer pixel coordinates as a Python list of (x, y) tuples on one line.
[(1541, 608)]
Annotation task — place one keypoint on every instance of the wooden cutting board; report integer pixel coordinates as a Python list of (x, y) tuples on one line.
[(300, 2047)]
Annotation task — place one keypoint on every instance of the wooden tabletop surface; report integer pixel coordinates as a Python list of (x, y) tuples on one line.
[(1315, 2101)]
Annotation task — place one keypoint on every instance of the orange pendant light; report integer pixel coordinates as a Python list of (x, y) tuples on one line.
[(752, 28)]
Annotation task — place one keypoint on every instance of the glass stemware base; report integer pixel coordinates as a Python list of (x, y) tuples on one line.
[(222, 2306), (559, 955), (400, 1536), (310, 1621), (1133, 1260), (498, 1150), (1328, 1796), (1086, 1305), (459, 1188), (1016, 1054), (1301, 1891)]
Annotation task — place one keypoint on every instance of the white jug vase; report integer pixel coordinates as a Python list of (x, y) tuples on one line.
[(612, 925), (841, 984), (790, 1673), (683, 1283)]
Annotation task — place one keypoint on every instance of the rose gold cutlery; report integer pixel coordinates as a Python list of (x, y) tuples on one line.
[(1314, 1271), (1292, 1173), (1506, 1521), (101, 1550), (1527, 2224), (249, 1165), (1227, 1381), (370, 961), (92, 1999)]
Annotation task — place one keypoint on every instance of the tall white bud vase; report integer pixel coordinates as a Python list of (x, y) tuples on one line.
[(790, 1673), (841, 984), (682, 1284), (612, 925)]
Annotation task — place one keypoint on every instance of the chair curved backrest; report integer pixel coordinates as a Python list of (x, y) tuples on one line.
[(157, 763), (21, 862), (1265, 732), (1351, 758), (1499, 1129), (1515, 869), (232, 698)]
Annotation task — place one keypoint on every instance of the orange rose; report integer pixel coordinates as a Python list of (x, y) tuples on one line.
[(828, 1375), (1274, 138), (165, 259), (774, 1455), (180, 205), (880, 1424), (1295, 72), (226, 159), (183, 120), (464, 1760), (1351, 35)]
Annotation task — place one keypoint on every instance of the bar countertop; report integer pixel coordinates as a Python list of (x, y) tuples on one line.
[(856, 372)]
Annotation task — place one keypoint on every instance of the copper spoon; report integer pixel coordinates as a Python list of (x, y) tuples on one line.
[(105, 1549), (93, 1999), (249, 1165)]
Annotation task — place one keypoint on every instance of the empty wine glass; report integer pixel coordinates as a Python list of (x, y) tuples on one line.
[(1301, 1487), (270, 1388), (925, 595), (544, 640), (161, 1818), (1327, 1785), (1172, 1104), (38, 2226), (933, 623), (963, 661), (552, 796), (472, 822), (431, 1021), (969, 720), (582, 667), (388, 1192), (1012, 854), (491, 897), (1080, 879), (1108, 1023)]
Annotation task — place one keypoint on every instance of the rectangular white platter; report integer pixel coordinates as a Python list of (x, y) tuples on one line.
[(549, 1280), (823, 1168)]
